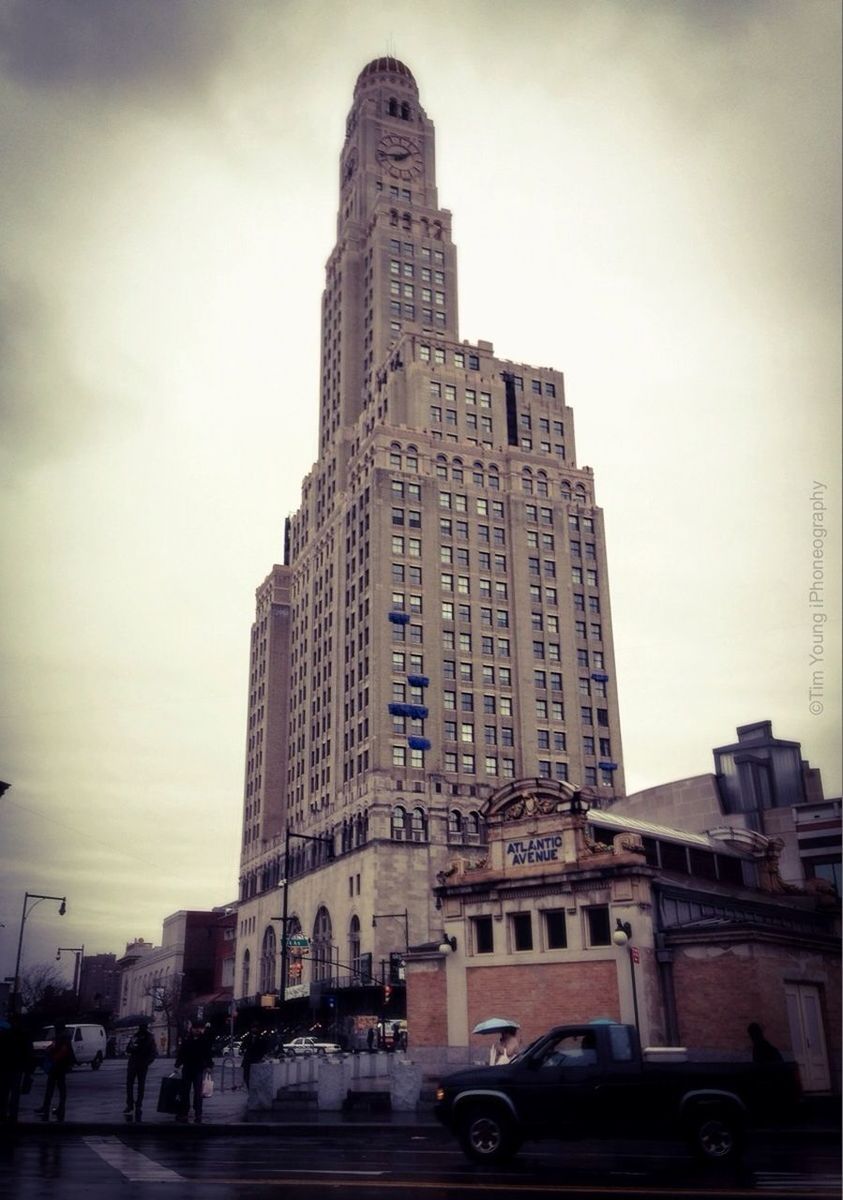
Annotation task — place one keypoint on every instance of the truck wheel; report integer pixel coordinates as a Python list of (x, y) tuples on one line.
[(487, 1135), (716, 1135), (96, 1062)]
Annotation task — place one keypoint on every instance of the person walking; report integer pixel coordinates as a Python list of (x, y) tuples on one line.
[(141, 1053), (60, 1061), (370, 1039), (194, 1058), (253, 1049), (505, 1048), (17, 1065)]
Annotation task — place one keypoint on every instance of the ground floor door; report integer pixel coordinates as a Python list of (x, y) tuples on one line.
[(807, 1036)]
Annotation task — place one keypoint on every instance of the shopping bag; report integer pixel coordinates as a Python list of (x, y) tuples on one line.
[(207, 1086), (170, 1095)]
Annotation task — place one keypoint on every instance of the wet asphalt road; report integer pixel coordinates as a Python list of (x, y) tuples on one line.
[(377, 1163)]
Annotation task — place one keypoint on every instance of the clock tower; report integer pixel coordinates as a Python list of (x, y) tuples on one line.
[(439, 627), (388, 201)]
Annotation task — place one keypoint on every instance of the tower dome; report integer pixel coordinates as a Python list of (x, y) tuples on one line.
[(381, 69)]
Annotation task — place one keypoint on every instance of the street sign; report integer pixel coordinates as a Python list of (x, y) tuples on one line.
[(298, 940)]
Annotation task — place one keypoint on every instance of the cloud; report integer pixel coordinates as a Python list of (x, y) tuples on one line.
[(44, 408), (153, 47)]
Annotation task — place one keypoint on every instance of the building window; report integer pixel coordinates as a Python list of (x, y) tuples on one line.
[(245, 972), (398, 824), (483, 935), (555, 929), (521, 925), (597, 921)]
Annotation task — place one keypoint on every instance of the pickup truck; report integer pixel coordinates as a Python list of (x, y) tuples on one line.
[(592, 1081), (309, 1045)]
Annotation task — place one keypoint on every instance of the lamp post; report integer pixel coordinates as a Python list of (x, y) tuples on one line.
[(79, 951), (403, 916), (622, 936), (14, 1003), (289, 834)]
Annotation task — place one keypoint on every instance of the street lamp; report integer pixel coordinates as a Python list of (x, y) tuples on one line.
[(621, 936), (403, 916), (449, 945), (79, 951), (289, 834), (14, 1004)]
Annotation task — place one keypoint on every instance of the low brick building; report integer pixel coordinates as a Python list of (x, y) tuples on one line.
[(571, 913)]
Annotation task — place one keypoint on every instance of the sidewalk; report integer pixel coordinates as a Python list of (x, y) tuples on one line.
[(95, 1102)]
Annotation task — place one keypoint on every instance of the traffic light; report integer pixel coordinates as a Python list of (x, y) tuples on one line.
[(387, 992)]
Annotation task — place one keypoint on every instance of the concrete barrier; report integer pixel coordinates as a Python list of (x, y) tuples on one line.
[(333, 1077)]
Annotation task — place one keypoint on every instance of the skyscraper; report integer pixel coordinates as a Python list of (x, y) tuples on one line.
[(440, 624)]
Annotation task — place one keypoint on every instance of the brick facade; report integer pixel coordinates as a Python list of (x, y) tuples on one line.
[(542, 995)]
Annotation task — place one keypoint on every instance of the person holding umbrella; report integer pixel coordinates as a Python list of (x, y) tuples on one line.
[(507, 1044)]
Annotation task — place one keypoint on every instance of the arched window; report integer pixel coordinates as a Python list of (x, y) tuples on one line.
[(472, 825), (527, 482), (494, 479), (478, 475), (393, 216), (399, 823), (580, 494), (405, 111), (267, 970), (412, 461), (393, 107), (454, 825), (456, 470), (354, 945), (321, 949), (541, 484), (418, 825), (566, 490), (245, 973)]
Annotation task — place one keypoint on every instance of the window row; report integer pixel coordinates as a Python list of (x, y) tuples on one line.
[(545, 930)]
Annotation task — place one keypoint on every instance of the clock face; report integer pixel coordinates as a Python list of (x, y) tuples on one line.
[(400, 155)]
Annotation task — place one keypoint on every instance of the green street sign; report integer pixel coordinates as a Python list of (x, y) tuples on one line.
[(298, 941)]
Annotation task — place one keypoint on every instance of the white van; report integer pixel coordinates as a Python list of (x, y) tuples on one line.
[(88, 1043)]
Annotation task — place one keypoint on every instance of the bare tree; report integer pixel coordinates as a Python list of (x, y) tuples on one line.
[(167, 1001), (42, 986)]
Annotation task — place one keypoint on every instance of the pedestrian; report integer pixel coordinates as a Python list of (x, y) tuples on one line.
[(253, 1049), (505, 1048), (17, 1066), (370, 1038), (60, 1061), (194, 1057), (141, 1054), (762, 1050)]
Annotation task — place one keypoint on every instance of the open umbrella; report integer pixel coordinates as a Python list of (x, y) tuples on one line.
[(495, 1025)]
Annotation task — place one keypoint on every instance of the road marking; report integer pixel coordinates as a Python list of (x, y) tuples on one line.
[(787, 1180), (548, 1189), (133, 1165)]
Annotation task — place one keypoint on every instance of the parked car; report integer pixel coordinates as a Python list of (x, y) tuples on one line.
[(223, 1047), (88, 1041), (593, 1081), (309, 1045)]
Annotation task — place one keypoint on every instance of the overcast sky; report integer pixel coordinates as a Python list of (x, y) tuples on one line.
[(645, 195)]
